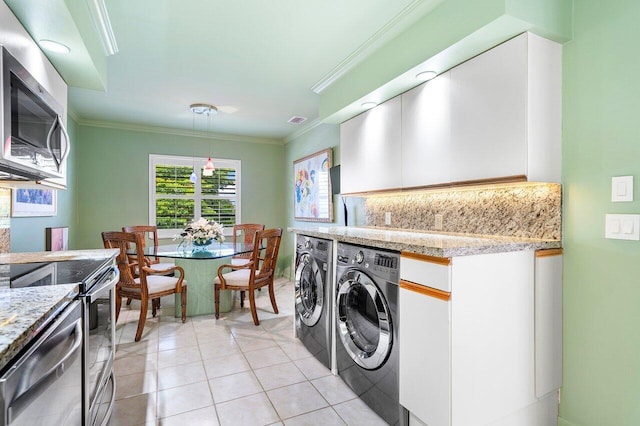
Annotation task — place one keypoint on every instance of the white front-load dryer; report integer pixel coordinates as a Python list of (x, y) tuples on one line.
[(313, 296)]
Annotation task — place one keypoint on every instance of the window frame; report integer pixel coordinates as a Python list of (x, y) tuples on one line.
[(199, 162)]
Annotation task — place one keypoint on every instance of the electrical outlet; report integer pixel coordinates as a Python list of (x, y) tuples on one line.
[(438, 222), (387, 218)]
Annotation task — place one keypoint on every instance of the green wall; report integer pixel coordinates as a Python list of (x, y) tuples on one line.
[(321, 137), (28, 233), (113, 177), (601, 277)]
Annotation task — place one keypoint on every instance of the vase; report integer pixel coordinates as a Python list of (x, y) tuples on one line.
[(202, 244)]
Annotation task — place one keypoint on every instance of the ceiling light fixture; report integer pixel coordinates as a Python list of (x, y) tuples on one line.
[(208, 110), (54, 46), (102, 25), (208, 169), (203, 109), (369, 105), (426, 75)]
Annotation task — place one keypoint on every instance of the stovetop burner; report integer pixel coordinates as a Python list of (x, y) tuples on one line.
[(53, 273)]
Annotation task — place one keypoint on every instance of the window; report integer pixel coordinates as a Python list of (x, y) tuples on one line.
[(174, 200)]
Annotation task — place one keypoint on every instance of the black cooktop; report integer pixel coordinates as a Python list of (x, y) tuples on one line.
[(80, 272)]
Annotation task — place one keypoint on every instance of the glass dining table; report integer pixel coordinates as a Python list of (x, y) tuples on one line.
[(200, 266)]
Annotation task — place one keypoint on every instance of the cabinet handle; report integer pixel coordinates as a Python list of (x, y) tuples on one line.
[(427, 291), (446, 261), (548, 252)]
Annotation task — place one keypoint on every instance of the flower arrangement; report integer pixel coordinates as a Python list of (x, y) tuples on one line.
[(202, 232)]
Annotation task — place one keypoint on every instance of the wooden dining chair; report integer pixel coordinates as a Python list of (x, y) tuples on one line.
[(151, 232), (244, 233), (150, 284), (258, 272)]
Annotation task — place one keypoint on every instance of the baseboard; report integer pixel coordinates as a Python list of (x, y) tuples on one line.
[(563, 422)]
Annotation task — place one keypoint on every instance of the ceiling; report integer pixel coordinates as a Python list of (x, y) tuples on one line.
[(258, 61)]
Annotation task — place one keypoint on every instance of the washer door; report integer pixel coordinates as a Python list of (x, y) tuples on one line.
[(364, 324), (309, 290)]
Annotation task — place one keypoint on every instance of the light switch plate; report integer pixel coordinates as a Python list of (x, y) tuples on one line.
[(622, 226), (621, 188)]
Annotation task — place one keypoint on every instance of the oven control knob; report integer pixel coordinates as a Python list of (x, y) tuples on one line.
[(359, 256), (307, 244)]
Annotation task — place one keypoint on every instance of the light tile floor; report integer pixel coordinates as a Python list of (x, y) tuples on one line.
[(209, 372)]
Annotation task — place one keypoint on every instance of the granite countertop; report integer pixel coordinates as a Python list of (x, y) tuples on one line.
[(56, 256), (428, 243), (24, 311)]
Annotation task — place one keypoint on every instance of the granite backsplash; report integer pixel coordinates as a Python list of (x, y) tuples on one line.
[(527, 210)]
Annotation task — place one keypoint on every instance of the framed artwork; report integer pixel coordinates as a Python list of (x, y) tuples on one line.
[(33, 202), (57, 239), (312, 192)]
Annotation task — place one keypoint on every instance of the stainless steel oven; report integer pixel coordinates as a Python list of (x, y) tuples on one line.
[(96, 279), (99, 349), (41, 387)]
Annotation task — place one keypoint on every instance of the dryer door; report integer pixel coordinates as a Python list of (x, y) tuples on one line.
[(309, 290), (364, 322)]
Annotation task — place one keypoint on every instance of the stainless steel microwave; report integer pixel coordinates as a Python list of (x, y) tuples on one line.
[(35, 141)]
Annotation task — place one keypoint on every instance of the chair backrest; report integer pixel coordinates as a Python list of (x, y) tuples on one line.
[(127, 264), (247, 231), (267, 243), (244, 233), (149, 231)]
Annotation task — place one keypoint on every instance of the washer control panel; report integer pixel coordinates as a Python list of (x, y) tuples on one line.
[(318, 247), (385, 264)]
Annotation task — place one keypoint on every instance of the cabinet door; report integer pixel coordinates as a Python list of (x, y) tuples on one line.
[(489, 114), (370, 154), (426, 133), (425, 354), (548, 321)]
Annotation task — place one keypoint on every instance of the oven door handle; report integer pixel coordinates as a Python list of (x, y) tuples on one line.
[(32, 392), (107, 280)]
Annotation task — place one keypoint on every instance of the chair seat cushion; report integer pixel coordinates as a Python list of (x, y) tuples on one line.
[(162, 266), (156, 284), (240, 261), (239, 278)]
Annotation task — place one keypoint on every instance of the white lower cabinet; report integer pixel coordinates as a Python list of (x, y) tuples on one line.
[(467, 341)]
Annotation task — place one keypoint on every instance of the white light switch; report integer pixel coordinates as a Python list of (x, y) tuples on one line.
[(621, 188), (622, 226)]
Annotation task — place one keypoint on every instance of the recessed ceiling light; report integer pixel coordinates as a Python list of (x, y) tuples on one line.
[(54, 46), (426, 75), (369, 105)]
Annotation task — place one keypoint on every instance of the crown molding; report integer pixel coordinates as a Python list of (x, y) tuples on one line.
[(178, 132), (380, 37), (306, 128)]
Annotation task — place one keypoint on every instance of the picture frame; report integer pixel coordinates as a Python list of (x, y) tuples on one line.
[(33, 202), (57, 238), (312, 199)]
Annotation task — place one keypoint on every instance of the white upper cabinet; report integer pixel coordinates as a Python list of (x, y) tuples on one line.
[(505, 112), (497, 115), (370, 153), (426, 133), (489, 114)]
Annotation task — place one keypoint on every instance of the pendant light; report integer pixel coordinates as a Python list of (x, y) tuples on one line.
[(208, 168), (194, 177), (209, 110)]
